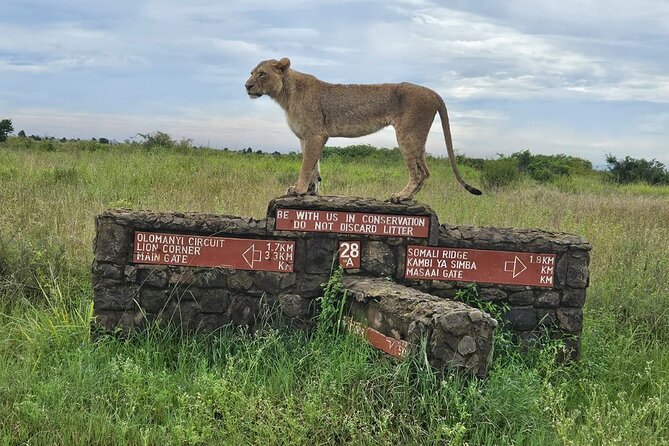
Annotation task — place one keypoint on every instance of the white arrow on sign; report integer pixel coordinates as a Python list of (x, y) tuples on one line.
[(517, 268), (250, 255)]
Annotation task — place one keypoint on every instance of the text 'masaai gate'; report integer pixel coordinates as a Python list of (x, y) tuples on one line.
[(480, 265)]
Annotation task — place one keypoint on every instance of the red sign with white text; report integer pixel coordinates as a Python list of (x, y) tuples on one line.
[(344, 222), (479, 265), (158, 248), (394, 347)]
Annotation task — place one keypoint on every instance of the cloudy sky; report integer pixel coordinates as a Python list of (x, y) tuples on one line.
[(583, 78)]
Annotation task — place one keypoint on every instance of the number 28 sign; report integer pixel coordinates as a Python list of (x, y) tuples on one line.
[(349, 254)]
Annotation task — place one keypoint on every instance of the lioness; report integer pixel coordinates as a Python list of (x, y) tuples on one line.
[(316, 110)]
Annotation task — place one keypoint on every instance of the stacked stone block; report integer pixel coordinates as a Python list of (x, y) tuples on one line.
[(457, 336), (128, 295), (533, 311)]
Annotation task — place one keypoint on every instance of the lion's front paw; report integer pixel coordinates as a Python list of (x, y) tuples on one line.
[(312, 189), (396, 198), (292, 190)]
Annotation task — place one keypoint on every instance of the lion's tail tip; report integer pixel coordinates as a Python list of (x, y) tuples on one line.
[(472, 190)]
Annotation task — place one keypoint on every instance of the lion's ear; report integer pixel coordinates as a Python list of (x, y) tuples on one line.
[(283, 64)]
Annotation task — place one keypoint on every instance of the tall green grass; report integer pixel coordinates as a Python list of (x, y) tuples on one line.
[(57, 386)]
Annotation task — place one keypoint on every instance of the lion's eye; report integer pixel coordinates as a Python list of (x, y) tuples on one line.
[(262, 74)]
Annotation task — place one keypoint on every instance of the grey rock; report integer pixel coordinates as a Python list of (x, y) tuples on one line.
[(213, 278), (573, 297), (467, 345), (130, 273), (213, 300), (571, 319), (547, 299), (240, 280), (115, 297), (577, 270), (492, 294), (561, 271), (546, 318), (154, 300), (521, 318), (152, 275), (181, 276), (377, 258), (294, 305), (521, 298), (320, 254), (112, 242), (107, 270), (243, 310), (268, 282), (311, 285)]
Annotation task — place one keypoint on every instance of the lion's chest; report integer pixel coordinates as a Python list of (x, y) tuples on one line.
[(300, 126)]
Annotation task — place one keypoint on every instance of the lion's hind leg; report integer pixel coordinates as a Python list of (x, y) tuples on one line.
[(412, 147)]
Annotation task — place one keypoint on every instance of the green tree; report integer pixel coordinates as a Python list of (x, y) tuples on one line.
[(6, 128), (632, 170), (546, 168)]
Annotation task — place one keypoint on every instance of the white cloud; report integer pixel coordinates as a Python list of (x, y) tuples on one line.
[(189, 60), (237, 47), (488, 59)]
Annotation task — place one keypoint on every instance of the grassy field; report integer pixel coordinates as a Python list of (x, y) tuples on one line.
[(284, 387)]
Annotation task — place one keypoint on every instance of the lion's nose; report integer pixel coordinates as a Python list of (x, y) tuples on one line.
[(248, 86)]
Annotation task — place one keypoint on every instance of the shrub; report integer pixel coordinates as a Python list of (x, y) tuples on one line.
[(362, 151), (162, 139), (474, 163), (631, 170), (500, 173), (156, 139), (546, 168)]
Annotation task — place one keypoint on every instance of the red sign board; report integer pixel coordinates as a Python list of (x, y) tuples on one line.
[(342, 222), (349, 254), (393, 347), (193, 250), (479, 265)]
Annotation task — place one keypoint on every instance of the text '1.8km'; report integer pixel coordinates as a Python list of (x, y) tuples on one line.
[(480, 265)]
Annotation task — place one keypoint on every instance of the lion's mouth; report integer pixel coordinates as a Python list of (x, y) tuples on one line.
[(255, 95)]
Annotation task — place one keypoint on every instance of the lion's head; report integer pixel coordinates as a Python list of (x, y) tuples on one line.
[(267, 78)]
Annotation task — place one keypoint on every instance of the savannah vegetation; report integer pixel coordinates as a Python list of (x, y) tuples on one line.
[(59, 386)]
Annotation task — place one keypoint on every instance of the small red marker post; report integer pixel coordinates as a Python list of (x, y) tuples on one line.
[(349, 254)]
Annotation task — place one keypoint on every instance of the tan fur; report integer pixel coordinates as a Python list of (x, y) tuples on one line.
[(316, 110)]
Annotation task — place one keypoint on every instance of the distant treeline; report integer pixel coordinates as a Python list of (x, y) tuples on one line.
[(500, 172)]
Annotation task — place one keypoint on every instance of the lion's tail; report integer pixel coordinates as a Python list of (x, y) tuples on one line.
[(443, 114)]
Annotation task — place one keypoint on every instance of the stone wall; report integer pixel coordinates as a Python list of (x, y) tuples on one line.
[(130, 291), (456, 335), (533, 310)]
